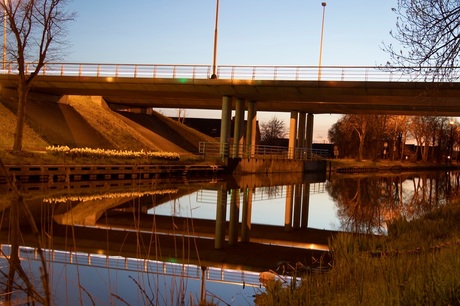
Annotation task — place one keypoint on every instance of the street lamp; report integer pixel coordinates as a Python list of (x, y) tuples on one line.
[(321, 42), (214, 75), (451, 140)]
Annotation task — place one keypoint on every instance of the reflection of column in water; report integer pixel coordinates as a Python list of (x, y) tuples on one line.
[(297, 205), (221, 210), (305, 204), (288, 209), (246, 217), (234, 216)]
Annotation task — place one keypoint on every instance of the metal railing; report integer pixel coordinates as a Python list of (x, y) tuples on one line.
[(212, 149), (230, 72)]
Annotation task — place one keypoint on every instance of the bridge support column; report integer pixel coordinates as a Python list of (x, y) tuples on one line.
[(292, 134), (225, 125), (309, 134), (301, 130), (238, 128), (221, 211), (234, 217), (251, 129), (246, 217)]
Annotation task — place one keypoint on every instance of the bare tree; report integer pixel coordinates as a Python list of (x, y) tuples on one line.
[(358, 124), (428, 33), (38, 28), (272, 131), (398, 130), (345, 141)]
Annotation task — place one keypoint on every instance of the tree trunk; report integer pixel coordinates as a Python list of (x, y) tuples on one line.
[(23, 91)]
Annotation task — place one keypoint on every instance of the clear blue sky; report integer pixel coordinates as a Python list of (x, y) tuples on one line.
[(251, 32)]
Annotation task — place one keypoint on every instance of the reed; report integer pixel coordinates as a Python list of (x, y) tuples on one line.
[(417, 263)]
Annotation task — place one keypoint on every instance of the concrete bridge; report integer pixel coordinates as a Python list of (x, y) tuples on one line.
[(344, 90)]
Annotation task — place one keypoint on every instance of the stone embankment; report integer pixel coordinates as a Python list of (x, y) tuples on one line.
[(31, 177)]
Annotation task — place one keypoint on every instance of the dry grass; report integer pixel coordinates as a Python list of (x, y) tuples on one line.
[(32, 141), (404, 268), (112, 127), (384, 164), (83, 121)]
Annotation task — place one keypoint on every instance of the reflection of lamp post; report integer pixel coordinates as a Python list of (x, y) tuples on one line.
[(203, 285), (321, 43), (214, 59)]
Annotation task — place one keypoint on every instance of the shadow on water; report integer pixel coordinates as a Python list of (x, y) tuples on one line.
[(183, 241)]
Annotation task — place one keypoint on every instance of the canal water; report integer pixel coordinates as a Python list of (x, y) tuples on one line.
[(169, 243)]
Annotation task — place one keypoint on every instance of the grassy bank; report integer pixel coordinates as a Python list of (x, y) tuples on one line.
[(386, 164), (417, 263), (45, 158)]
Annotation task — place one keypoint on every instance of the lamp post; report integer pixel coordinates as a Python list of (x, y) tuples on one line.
[(214, 59), (451, 140), (321, 42)]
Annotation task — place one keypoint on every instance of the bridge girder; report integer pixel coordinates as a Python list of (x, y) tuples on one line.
[(344, 97)]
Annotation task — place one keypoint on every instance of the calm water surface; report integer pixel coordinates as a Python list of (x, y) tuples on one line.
[(363, 203)]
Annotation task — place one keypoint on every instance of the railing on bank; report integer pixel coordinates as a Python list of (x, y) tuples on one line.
[(211, 149), (232, 72)]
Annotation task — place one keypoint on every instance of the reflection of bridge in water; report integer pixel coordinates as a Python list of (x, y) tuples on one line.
[(120, 226), (211, 274)]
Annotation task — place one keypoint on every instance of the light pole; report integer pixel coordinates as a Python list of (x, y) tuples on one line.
[(214, 59), (451, 140), (321, 42)]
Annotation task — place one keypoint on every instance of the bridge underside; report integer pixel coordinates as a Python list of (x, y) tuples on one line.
[(316, 97)]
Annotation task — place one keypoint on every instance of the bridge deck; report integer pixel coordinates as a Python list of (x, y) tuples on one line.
[(312, 96)]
